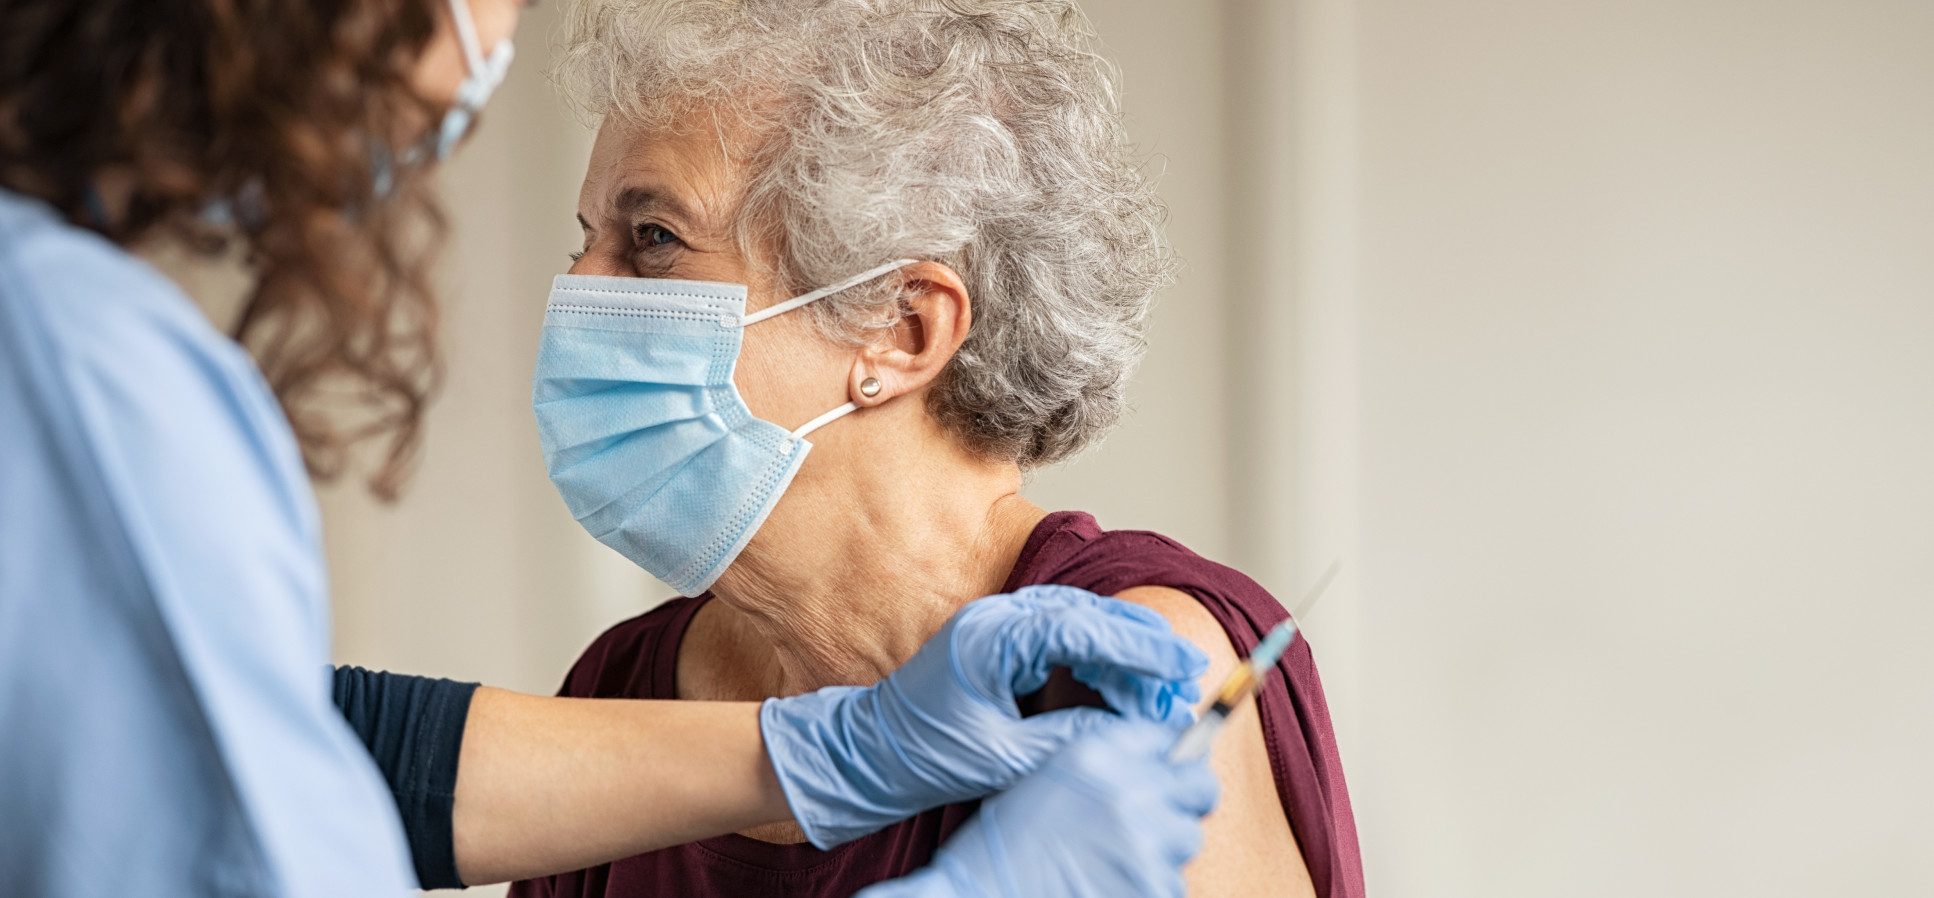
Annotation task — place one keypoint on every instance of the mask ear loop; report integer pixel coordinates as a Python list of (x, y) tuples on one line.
[(467, 35), (801, 300), (821, 293), (824, 420)]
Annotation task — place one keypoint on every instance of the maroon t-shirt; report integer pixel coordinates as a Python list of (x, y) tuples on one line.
[(639, 659)]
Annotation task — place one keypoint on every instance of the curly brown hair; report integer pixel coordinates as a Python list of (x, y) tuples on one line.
[(281, 112)]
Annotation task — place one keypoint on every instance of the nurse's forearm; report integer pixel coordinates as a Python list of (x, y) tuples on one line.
[(550, 785)]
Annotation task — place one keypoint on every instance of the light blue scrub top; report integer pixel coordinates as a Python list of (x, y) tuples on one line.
[(166, 727)]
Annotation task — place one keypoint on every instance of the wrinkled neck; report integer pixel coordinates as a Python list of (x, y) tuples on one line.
[(869, 554)]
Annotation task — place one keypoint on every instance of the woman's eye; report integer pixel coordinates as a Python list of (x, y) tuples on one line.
[(653, 235)]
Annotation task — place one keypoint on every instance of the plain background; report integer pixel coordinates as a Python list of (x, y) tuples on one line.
[(1594, 337)]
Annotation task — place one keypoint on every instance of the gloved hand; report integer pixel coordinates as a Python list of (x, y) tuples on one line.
[(945, 728), (1106, 818)]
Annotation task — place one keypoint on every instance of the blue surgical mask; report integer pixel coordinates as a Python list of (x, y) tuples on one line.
[(643, 431)]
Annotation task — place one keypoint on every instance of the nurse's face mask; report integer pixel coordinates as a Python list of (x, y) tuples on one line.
[(643, 431), (482, 75)]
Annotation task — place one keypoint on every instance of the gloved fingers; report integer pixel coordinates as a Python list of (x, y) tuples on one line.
[(1187, 691), (1075, 636), (1054, 595), (1171, 815), (1050, 596), (1133, 754), (1013, 657), (1195, 789), (1189, 787), (1129, 610), (1139, 743), (1126, 756), (1181, 841), (1122, 608), (1139, 696), (1000, 637), (1136, 696), (1058, 728), (1163, 841)]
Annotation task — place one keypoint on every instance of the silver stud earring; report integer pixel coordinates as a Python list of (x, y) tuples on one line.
[(870, 387)]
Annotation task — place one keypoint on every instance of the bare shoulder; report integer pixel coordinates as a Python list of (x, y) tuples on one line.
[(1190, 620), (1248, 846)]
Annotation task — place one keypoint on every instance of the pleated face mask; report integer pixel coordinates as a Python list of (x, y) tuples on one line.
[(643, 431)]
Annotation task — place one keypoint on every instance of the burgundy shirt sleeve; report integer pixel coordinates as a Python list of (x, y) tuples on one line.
[(1069, 548)]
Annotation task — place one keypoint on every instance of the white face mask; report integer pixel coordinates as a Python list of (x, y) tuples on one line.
[(480, 81)]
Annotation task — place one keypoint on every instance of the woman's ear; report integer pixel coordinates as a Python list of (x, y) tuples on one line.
[(912, 350)]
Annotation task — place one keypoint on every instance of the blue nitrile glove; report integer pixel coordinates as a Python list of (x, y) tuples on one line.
[(945, 728), (1108, 817)]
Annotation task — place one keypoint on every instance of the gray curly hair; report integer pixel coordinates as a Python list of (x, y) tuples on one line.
[(982, 134)]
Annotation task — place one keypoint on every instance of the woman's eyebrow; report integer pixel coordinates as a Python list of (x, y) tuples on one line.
[(634, 200)]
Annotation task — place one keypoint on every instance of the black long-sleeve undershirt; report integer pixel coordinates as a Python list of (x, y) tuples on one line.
[(413, 727)]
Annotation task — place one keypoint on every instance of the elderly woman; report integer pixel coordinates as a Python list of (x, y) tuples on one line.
[(912, 230)]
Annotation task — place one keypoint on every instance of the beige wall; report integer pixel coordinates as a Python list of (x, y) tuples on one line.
[(1593, 336), (1648, 413)]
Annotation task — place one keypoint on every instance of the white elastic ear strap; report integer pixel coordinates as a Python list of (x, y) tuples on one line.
[(824, 420), (821, 293), (467, 34)]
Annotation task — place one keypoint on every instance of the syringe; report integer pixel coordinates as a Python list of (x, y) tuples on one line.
[(1195, 741)]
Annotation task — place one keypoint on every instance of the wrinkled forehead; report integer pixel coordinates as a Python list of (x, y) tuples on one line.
[(693, 169)]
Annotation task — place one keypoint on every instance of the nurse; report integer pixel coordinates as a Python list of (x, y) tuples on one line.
[(166, 724)]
